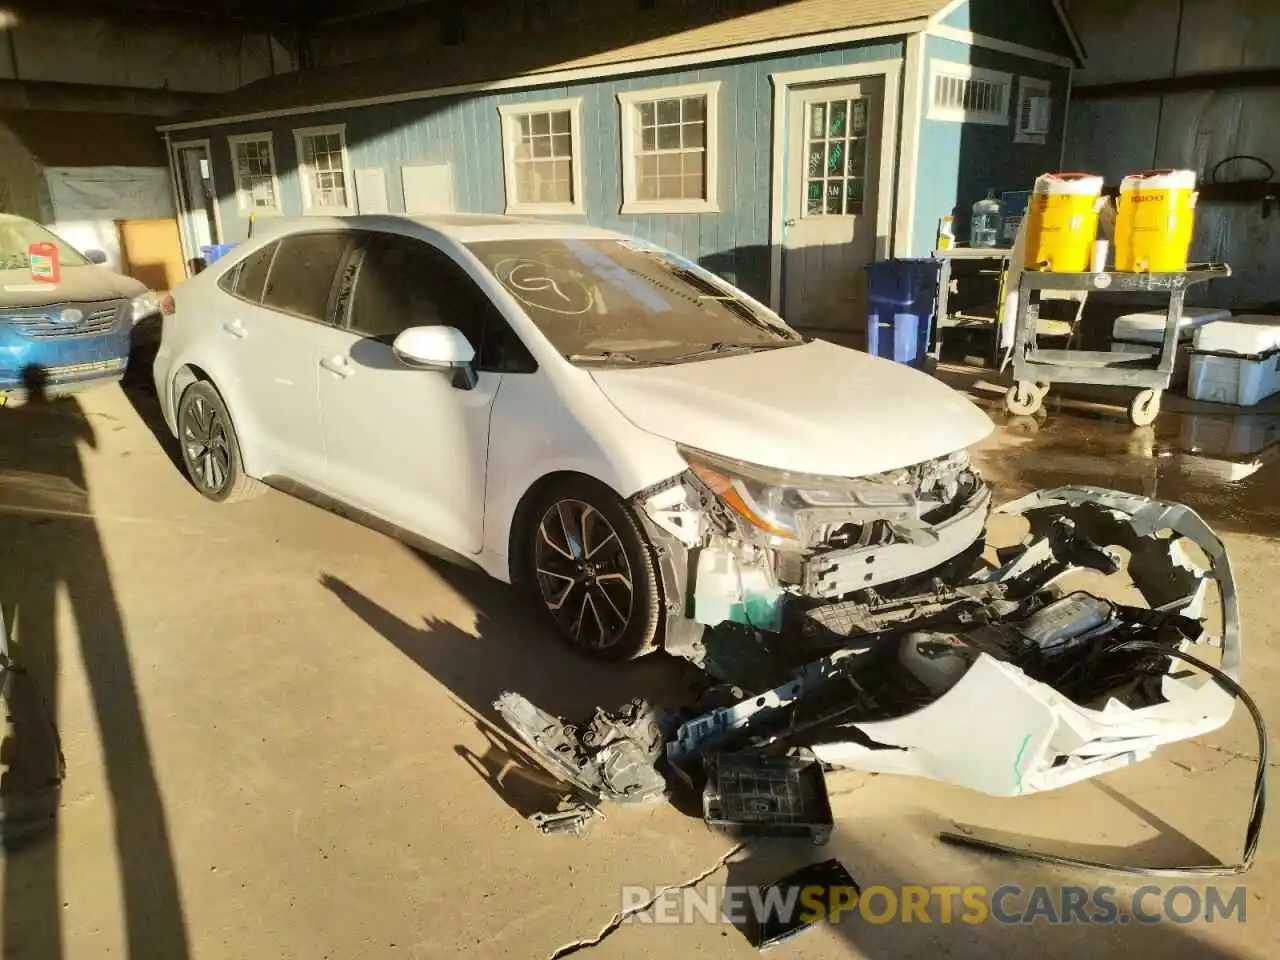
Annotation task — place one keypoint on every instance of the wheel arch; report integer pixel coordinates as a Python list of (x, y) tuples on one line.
[(190, 373), (523, 514)]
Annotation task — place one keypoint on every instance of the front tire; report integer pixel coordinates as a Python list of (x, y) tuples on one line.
[(210, 447), (591, 571)]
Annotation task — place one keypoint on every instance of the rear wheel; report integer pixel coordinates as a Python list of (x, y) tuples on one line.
[(591, 570), (210, 447)]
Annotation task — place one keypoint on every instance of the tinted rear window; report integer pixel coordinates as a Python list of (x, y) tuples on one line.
[(302, 273), (252, 275)]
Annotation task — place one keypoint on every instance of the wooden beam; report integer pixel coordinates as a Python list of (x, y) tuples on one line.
[(1228, 80)]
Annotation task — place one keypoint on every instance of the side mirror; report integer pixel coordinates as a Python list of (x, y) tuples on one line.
[(438, 348), (96, 256)]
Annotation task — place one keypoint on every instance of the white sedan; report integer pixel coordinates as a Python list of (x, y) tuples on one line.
[(642, 447)]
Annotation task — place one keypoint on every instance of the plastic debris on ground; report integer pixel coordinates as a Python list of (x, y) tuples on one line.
[(1015, 678), (828, 884), (749, 795)]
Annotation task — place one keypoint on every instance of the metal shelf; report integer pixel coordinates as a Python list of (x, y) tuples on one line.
[(1034, 369)]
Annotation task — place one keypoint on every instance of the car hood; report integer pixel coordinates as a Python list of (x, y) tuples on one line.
[(817, 408), (77, 285)]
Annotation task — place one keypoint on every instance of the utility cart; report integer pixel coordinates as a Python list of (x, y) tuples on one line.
[(1034, 369)]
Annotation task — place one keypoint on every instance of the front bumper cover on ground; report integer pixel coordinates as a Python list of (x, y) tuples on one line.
[(996, 729)]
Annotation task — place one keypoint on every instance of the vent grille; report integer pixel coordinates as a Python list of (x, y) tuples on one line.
[(970, 95), (49, 323)]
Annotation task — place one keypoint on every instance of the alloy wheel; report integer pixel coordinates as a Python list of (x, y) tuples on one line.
[(205, 445), (584, 576)]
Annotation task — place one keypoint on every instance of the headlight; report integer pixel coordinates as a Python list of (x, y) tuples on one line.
[(773, 500), (145, 304)]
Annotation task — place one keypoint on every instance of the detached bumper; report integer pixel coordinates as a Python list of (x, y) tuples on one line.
[(1003, 733)]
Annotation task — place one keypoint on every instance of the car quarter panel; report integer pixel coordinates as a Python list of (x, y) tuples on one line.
[(557, 421)]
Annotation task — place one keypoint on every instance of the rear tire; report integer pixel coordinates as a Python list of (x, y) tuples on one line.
[(211, 448), (589, 568)]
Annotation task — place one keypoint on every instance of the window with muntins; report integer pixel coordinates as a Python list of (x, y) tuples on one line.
[(669, 149), (836, 159), (326, 176), (253, 160), (671, 158), (542, 156)]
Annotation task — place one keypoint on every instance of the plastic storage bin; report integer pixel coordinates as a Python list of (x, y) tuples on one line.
[(1144, 333), (1236, 361), (212, 251), (900, 303)]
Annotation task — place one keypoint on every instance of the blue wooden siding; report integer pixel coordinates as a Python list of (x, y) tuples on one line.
[(465, 131), (960, 161), (1033, 23)]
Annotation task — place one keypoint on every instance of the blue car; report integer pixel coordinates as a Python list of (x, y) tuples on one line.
[(78, 330)]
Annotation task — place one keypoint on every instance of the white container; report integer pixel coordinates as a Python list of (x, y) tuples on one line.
[(1144, 333), (1236, 361)]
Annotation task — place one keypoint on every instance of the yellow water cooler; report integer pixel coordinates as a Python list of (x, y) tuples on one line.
[(1154, 221), (1062, 222)]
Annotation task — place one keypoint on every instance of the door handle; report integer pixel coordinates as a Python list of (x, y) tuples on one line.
[(789, 222), (337, 365), (235, 328)]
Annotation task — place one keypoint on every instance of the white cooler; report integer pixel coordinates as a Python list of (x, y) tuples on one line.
[(1144, 333), (1236, 361)]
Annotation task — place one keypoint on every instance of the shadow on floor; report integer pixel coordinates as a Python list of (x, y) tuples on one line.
[(510, 649), (53, 554)]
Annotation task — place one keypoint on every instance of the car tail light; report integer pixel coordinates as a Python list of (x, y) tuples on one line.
[(167, 305)]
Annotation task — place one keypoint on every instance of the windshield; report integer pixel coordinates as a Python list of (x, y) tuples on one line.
[(18, 233), (602, 300)]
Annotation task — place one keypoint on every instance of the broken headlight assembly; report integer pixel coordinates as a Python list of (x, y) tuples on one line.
[(799, 511)]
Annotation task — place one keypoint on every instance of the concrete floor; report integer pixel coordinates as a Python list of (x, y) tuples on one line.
[(279, 741)]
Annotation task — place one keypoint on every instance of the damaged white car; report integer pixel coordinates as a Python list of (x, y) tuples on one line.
[(646, 448)]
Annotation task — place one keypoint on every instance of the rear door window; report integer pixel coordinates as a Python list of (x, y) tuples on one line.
[(251, 277), (301, 277)]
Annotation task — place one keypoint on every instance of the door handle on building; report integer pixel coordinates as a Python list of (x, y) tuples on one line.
[(337, 365)]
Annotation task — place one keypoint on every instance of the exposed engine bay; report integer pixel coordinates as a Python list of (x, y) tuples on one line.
[(1056, 659), (744, 544)]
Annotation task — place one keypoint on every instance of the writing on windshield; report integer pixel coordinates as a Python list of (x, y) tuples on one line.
[(608, 297)]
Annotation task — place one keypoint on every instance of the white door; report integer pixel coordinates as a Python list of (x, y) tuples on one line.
[(407, 445), (197, 197), (279, 304), (829, 232)]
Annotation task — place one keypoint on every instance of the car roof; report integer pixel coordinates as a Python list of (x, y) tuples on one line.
[(460, 227)]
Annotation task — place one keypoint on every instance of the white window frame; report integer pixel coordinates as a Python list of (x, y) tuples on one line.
[(1031, 87), (629, 106), (966, 71), (244, 202), (348, 178), (508, 114)]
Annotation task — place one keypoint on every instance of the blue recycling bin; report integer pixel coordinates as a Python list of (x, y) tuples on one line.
[(900, 303), (212, 251)]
